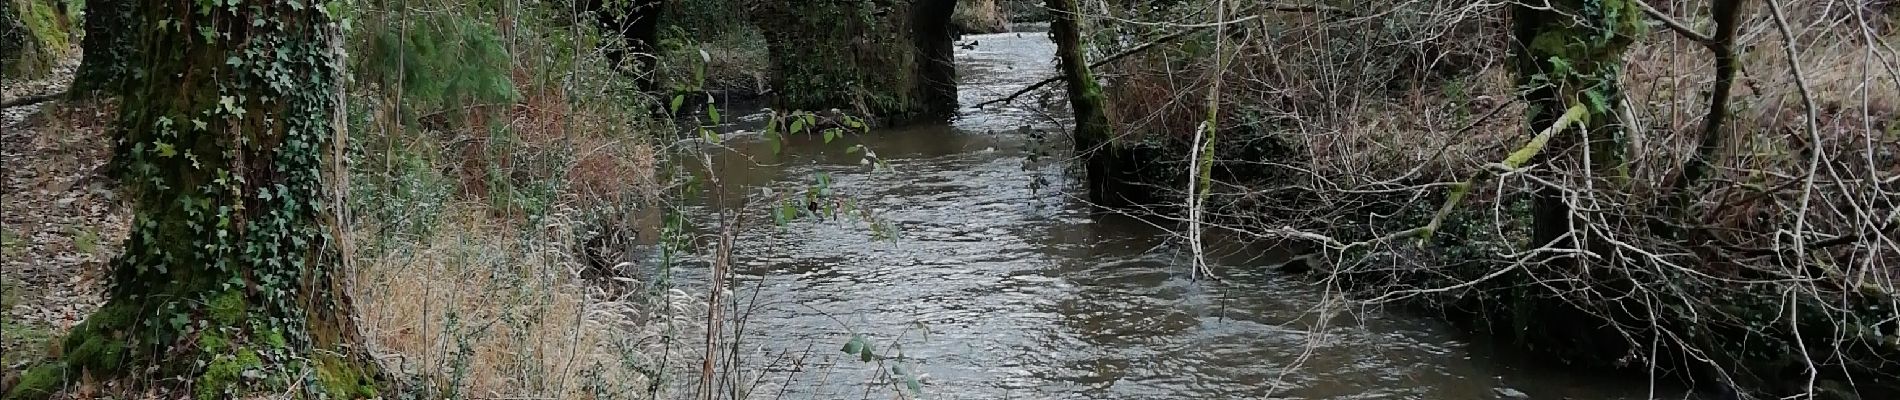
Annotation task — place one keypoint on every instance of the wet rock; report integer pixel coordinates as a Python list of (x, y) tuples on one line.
[(1297, 265), (1509, 393)]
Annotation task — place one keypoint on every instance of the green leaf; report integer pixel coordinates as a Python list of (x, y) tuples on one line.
[(166, 149), (855, 345), (866, 354), (831, 134), (798, 125), (678, 100), (910, 380), (712, 111), (1599, 102)]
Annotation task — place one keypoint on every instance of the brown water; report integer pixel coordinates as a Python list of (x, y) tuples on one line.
[(999, 289)]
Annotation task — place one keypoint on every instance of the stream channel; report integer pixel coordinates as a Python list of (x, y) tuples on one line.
[(998, 287)]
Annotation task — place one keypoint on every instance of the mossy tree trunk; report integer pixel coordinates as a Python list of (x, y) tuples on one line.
[(1572, 52), (231, 276), (884, 59), (105, 49), (1093, 134)]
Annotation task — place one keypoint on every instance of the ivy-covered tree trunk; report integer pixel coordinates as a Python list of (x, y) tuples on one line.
[(883, 59), (1571, 54), (1092, 131), (106, 48), (231, 276)]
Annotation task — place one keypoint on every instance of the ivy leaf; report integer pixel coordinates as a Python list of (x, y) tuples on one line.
[(855, 345), (166, 150)]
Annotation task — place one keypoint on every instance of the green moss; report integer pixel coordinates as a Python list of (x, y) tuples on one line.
[(228, 308), (98, 353), (343, 379), (39, 382), (275, 338), (223, 373), (212, 342), (48, 35), (103, 323)]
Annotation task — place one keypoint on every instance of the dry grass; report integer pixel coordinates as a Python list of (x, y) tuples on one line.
[(477, 310)]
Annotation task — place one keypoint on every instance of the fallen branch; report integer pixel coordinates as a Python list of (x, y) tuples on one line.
[(1516, 160), (31, 100), (1111, 58)]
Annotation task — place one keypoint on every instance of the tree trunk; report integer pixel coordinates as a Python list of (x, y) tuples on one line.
[(231, 276), (106, 48), (1571, 53), (1092, 130), (888, 60), (637, 23), (1727, 16)]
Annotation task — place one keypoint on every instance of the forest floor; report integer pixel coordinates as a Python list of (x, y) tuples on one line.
[(60, 221)]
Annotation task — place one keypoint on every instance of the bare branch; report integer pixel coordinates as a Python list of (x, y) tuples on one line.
[(1674, 25)]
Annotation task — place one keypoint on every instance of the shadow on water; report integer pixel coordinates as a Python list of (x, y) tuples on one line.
[(997, 289)]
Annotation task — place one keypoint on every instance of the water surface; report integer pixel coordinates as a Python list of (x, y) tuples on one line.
[(999, 288)]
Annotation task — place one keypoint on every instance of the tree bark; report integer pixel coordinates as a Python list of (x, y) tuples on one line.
[(1727, 16), (888, 60), (106, 48), (1571, 53), (1092, 131), (231, 275)]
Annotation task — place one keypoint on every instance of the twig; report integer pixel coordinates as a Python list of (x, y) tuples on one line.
[(1674, 25), (31, 100), (1109, 59), (1814, 166)]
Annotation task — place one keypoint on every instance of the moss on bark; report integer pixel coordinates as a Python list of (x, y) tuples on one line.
[(1093, 134), (34, 36), (229, 272)]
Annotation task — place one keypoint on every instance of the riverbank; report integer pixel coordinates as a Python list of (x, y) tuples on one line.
[(471, 202), (1390, 171)]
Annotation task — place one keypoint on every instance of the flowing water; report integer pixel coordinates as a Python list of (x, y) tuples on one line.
[(997, 287)]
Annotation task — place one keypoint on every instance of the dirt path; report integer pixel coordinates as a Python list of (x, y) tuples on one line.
[(59, 222)]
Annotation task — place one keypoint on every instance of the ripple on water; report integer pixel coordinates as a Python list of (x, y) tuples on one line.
[(1000, 291)]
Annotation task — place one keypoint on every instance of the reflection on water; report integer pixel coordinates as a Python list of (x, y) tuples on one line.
[(998, 290)]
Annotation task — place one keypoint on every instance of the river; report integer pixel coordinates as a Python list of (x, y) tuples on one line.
[(999, 288)]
